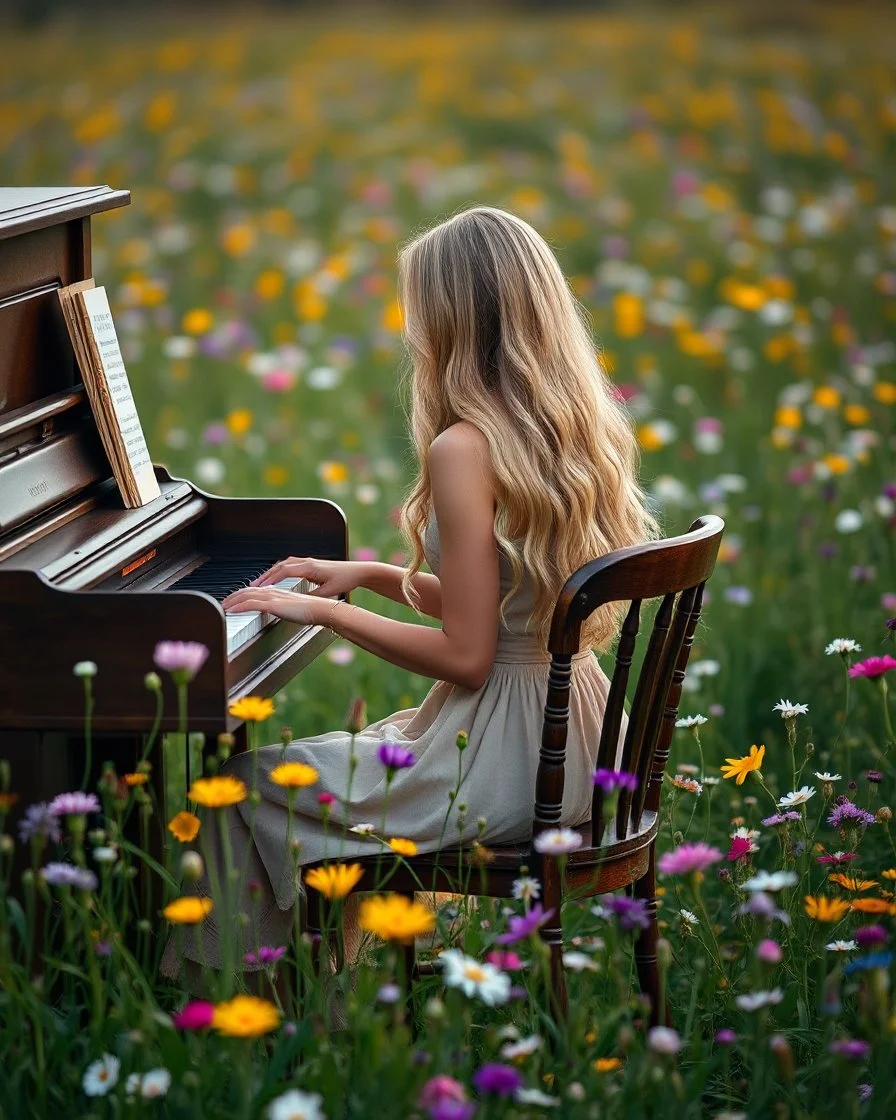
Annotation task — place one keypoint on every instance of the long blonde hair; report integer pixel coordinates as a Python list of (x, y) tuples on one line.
[(496, 337)]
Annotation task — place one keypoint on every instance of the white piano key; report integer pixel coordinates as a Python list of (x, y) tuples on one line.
[(241, 627)]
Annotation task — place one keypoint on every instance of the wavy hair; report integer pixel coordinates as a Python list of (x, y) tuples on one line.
[(496, 337)]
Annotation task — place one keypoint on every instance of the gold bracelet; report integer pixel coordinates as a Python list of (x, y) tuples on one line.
[(332, 611)]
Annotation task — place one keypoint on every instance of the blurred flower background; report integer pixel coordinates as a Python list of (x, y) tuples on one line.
[(717, 182)]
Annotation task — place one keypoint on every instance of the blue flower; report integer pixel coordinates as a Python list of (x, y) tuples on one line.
[(866, 963)]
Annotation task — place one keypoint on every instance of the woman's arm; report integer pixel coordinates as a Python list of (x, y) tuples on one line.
[(385, 580), (463, 650)]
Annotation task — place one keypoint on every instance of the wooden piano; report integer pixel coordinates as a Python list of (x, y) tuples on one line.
[(83, 578)]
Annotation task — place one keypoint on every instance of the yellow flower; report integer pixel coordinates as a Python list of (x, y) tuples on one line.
[(607, 1065), (395, 918), (885, 392), (294, 775), (872, 906), (836, 464), (824, 909), (275, 475), (890, 873), (217, 792), (826, 397), (788, 417), (403, 847), (185, 826), (237, 240), (197, 321), (336, 880), (188, 910), (332, 471), (269, 284), (239, 421), (850, 883), (252, 708), (857, 414), (246, 1017), (135, 779), (739, 767)]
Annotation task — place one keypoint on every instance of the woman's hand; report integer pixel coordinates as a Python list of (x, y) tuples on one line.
[(290, 605), (333, 577)]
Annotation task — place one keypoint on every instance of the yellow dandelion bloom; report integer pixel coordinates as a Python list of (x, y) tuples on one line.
[(135, 779), (252, 708), (826, 397), (649, 438), (395, 918), (333, 472), (269, 284), (872, 906), (885, 392), (824, 909), (246, 1017), (238, 240), (890, 873), (185, 826), (788, 417), (197, 321), (738, 768), (217, 792), (294, 775), (188, 911), (836, 464), (607, 1065), (239, 421), (403, 847), (336, 880), (857, 414), (851, 883), (275, 475)]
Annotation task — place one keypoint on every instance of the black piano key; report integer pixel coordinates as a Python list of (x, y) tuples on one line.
[(221, 576)]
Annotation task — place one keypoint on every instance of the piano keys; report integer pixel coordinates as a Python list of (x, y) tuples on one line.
[(83, 578)]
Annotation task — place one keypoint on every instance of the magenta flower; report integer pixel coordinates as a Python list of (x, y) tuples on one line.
[(872, 667), (395, 757), (780, 818), (870, 937), (496, 1078), (182, 660), (689, 857), (631, 912), (522, 926), (838, 858), (611, 780), (505, 959), (326, 800), (769, 951), (853, 1049), (267, 955), (441, 1088), (726, 1037), (195, 1016), (74, 804), (846, 814), (740, 849)]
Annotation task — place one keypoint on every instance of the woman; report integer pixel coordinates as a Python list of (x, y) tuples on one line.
[(527, 469)]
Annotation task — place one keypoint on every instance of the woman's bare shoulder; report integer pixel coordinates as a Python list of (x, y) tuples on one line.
[(461, 437)]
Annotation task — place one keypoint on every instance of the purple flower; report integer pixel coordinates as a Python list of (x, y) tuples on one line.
[(865, 1090), (612, 780), (102, 949), (67, 875), (494, 1077), (631, 912), (522, 926), (452, 1110), (215, 434), (74, 804), (780, 818), (39, 820), (726, 1037), (869, 937), (848, 814), (395, 757), (852, 1048), (689, 857), (182, 660), (874, 776), (266, 954)]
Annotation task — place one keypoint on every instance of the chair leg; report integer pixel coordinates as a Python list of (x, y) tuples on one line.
[(645, 948)]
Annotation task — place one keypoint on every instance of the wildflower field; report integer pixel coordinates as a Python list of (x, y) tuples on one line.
[(721, 193)]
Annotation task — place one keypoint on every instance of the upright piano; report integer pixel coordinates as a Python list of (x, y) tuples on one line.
[(82, 578)]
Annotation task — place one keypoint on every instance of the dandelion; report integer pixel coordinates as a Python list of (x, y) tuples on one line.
[(797, 797), (873, 667), (246, 1017), (738, 768), (689, 857), (101, 1076), (395, 918), (824, 909), (557, 841), (294, 775), (218, 792), (182, 660), (184, 827), (188, 910), (403, 847), (253, 709), (755, 1001), (789, 710), (482, 980), (842, 646), (521, 927), (334, 880)]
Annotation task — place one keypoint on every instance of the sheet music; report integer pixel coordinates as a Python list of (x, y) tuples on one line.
[(124, 408)]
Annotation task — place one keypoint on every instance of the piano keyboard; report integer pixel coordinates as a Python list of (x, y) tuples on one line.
[(242, 627)]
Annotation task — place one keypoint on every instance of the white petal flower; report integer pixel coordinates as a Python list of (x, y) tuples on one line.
[(797, 797), (557, 841), (843, 645), (105, 855), (580, 962), (706, 668), (535, 1096), (526, 889), (841, 946), (482, 980), (296, 1105), (523, 1048), (753, 1001), (689, 918), (664, 1040), (101, 1076), (826, 777), (691, 721), (789, 710), (848, 521), (363, 829), (155, 1083), (770, 881)]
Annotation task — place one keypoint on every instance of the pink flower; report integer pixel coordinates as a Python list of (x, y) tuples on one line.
[(326, 800), (182, 659), (740, 849), (195, 1016), (769, 951), (505, 959), (365, 554), (441, 1088), (687, 858), (278, 380), (872, 667), (74, 804)]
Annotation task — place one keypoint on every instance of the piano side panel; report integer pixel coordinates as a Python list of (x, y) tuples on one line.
[(299, 526)]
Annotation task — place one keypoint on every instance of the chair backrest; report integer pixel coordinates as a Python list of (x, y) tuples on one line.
[(676, 569)]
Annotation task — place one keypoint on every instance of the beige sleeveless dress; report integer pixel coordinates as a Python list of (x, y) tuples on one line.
[(503, 721)]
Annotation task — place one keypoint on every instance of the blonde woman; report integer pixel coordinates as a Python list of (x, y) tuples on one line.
[(527, 469)]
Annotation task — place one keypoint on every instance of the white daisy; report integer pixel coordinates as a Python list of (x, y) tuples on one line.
[(841, 946), (789, 710), (691, 721), (101, 1076), (689, 918), (557, 841), (711, 781), (797, 797), (664, 1040), (580, 962), (535, 1096), (705, 668), (475, 979), (296, 1105), (155, 1083), (363, 829), (105, 854), (843, 645), (746, 834), (526, 889), (753, 1001), (770, 881), (826, 777), (523, 1048)]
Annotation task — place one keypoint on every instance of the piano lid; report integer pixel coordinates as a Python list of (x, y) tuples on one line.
[(23, 209)]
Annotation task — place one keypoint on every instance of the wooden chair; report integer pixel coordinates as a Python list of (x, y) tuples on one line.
[(623, 854)]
